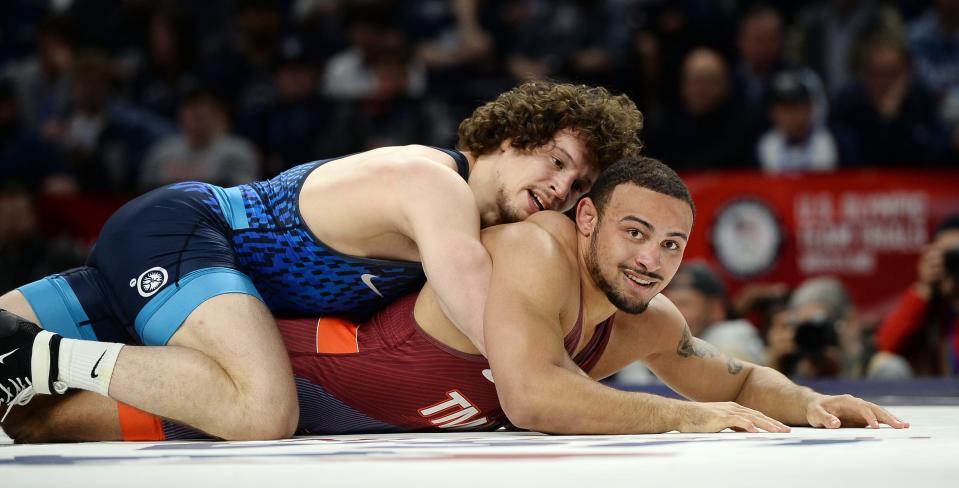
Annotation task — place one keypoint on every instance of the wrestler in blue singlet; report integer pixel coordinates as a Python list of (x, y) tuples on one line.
[(164, 253)]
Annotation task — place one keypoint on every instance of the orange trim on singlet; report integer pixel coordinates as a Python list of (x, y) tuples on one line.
[(335, 336), (137, 425)]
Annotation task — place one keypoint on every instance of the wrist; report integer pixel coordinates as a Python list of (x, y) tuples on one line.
[(680, 415)]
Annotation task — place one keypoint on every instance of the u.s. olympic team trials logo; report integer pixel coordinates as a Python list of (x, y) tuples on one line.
[(150, 281)]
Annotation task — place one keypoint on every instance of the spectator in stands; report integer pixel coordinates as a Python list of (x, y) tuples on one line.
[(42, 81), (25, 253), (710, 131), (242, 69), (700, 295), (24, 156), (798, 141), (293, 128), (586, 41), (889, 112), (759, 44), (819, 336), (165, 71), (389, 114), (934, 42), (204, 150), (451, 42), (828, 34), (104, 137), (351, 74), (924, 326)]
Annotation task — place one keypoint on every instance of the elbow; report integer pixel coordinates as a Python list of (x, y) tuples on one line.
[(522, 410)]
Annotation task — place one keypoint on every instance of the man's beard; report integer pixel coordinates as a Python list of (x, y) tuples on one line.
[(619, 300), (507, 214)]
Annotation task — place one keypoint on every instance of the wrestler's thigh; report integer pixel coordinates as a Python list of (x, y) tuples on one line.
[(238, 332)]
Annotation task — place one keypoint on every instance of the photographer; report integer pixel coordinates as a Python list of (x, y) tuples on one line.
[(819, 336), (924, 326)]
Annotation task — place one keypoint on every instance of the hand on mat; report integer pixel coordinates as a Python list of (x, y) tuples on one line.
[(837, 411), (714, 417)]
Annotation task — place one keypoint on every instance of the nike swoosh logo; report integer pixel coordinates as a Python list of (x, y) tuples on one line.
[(7, 354), (488, 374), (93, 372), (367, 280)]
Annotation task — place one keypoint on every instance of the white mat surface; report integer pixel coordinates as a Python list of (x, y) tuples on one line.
[(926, 455)]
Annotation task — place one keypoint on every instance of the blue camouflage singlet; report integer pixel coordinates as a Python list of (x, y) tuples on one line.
[(293, 270)]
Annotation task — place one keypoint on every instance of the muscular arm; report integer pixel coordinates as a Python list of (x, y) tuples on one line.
[(697, 370), (439, 213), (538, 386)]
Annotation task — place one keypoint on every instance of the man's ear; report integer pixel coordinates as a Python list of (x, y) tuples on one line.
[(505, 145), (587, 217)]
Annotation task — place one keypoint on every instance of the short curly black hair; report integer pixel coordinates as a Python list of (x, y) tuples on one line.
[(643, 172), (532, 113)]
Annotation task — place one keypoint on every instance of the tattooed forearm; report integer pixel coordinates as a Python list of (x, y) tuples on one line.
[(691, 346), (733, 366)]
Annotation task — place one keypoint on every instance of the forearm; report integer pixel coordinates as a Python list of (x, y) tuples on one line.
[(461, 285), (771, 393), (560, 401)]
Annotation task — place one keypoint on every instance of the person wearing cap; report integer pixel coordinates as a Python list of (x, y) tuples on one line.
[(700, 295), (797, 141), (924, 325)]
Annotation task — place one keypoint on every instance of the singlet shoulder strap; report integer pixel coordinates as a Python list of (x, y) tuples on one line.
[(462, 164), (590, 355), (571, 341)]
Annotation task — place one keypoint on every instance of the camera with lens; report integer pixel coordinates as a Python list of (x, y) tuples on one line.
[(814, 336), (817, 343)]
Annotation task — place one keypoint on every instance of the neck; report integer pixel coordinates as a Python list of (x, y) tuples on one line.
[(484, 189), (595, 304)]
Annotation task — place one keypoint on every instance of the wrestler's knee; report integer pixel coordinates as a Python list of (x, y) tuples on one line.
[(239, 334)]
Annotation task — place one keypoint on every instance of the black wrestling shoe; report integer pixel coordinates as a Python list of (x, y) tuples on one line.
[(25, 365)]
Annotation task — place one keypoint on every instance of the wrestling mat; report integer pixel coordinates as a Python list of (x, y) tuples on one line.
[(926, 455)]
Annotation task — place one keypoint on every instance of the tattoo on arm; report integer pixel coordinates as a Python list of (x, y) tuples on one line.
[(733, 366), (690, 346)]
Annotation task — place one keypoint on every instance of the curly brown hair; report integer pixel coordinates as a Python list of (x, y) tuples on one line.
[(532, 113)]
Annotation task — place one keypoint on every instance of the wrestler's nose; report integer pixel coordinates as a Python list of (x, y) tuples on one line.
[(561, 187), (649, 256)]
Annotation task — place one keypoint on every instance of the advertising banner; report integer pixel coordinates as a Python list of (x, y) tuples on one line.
[(866, 228)]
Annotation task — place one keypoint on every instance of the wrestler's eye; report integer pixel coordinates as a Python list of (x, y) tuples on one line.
[(672, 245), (634, 233), (558, 163), (577, 187)]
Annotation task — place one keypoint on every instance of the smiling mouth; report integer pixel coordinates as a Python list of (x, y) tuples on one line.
[(537, 203), (640, 281)]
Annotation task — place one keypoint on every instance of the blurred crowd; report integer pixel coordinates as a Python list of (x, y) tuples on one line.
[(123, 96), (112, 97)]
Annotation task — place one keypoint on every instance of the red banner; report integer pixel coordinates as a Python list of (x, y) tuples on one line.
[(865, 227)]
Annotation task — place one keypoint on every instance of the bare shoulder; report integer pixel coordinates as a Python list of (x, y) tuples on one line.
[(543, 232), (544, 243), (412, 161)]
